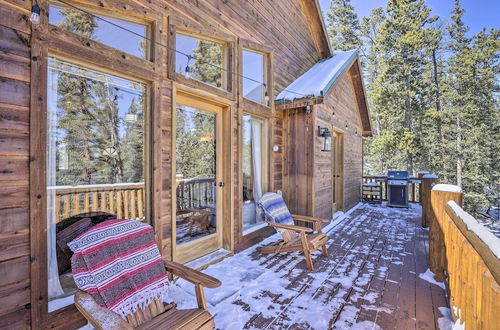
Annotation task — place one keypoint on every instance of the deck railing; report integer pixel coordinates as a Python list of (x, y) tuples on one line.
[(464, 254), (196, 193), (126, 200), (413, 187)]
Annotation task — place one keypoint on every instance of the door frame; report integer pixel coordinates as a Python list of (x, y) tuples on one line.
[(338, 169), (202, 246)]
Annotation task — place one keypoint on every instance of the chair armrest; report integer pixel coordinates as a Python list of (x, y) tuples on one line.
[(99, 317), (308, 219), (290, 227), (191, 275)]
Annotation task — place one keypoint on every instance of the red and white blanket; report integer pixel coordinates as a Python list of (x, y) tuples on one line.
[(118, 263)]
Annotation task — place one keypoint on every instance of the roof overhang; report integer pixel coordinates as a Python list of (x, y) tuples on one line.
[(313, 15), (313, 86)]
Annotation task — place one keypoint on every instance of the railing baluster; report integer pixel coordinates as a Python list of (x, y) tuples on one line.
[(133, 213), (103, 202), (86, 203), (111, 195), (126, 204), (139, 203), (95, 202), (67, 205), (77, 203), (58, 208), (119, 205)]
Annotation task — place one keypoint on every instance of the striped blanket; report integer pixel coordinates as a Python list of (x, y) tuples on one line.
[(118, 263)]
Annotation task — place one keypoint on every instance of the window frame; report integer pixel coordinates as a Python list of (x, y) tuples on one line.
[(249, 106), (192, 30), (51, 41)]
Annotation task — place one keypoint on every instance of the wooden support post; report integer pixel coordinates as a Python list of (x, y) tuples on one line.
[(428, 180), (419, 176), (440, 195)]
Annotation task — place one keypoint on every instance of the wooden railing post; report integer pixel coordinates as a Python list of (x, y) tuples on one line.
[(419, 176), (427, 181), (440, 195)]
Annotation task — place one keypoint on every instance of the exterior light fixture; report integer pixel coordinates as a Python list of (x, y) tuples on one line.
[(188, 69), (325, 133), (35, 13), (266, 95), (308, 109)]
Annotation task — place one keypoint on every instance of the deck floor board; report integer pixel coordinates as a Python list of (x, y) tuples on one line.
[(370, 280)]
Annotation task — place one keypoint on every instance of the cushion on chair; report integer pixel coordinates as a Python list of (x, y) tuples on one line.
[(65, 236), (275, 209)]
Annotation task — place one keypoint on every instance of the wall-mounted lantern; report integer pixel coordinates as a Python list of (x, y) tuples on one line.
[(325, 133)]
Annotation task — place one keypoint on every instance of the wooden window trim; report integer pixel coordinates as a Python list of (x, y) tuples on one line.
[(79, 50), (115, 11), (249, 106), (201, 33)]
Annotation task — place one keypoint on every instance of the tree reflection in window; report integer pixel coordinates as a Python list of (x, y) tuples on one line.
[(205, 62)]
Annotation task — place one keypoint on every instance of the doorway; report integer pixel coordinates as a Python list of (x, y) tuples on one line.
[(199, 184), (337, 171)]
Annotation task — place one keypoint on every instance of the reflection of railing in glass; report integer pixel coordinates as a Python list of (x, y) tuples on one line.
[(126, 200), (195, 193)]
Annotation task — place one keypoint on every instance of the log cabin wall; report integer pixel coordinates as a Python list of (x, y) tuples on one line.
[(289, 28)]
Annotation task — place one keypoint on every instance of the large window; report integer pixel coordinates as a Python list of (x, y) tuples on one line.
[(254, 76), (83, 24), (95, 160), (255, 168), (201, 59)]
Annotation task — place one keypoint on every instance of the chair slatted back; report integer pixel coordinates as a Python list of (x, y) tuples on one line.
[(275, 210), (142, 316)]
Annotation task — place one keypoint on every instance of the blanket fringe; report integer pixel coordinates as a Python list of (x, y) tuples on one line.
[(141, 300)]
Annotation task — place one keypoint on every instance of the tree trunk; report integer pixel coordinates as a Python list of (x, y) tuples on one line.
[(439, 121), (408, 121), (459, 153)]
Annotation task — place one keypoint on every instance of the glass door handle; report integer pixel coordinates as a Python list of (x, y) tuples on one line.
[(221, 184)]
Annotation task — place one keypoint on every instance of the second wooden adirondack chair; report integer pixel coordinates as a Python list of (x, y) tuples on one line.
[(294, 238)]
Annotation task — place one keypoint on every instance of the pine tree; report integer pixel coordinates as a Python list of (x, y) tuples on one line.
[(207, 62), (343, 26), (405, 38)]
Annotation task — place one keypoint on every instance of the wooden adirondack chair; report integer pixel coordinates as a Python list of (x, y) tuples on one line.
[(294, 238), (157, 315)]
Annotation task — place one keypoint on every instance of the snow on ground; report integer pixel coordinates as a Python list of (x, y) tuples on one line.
[(429, 277), (280, 294)]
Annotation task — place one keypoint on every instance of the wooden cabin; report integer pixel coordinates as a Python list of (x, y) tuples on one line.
[(160, 111), (320, 179)]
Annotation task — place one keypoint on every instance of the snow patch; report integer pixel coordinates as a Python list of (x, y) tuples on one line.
[(446, 322), (481, 231), (447, 187), (429, 176), (429, 277)]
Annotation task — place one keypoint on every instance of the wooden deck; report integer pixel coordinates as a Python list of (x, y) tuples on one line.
[(370, 280)]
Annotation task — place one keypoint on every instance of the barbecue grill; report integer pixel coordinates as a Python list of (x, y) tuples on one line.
[(397, 187)]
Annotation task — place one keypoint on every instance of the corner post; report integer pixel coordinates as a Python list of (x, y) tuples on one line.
[(420, 177), (440, 195), (427, 182)]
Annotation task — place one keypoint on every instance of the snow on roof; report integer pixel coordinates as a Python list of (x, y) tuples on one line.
[(429, 176), (318, 80)]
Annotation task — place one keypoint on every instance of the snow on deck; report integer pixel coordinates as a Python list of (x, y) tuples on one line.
[(375, 277)]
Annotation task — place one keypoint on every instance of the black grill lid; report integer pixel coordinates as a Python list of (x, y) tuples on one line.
[(397, 175)]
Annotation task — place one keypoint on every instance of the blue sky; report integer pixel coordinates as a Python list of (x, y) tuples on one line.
[(478, 13)]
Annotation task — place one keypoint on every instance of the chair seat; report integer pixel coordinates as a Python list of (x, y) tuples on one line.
[(314, 241), (195, 318)]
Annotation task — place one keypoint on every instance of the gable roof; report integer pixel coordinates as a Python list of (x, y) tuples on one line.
[(319, 79)]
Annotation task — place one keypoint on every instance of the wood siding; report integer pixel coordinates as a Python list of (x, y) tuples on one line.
[(284, 26), (307, 171)]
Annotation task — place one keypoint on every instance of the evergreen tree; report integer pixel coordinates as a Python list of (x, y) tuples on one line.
[(207, 62), (343, 26)]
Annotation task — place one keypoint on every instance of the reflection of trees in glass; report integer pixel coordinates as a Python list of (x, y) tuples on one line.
[(207, 52), (195, 143), (101, 146)]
